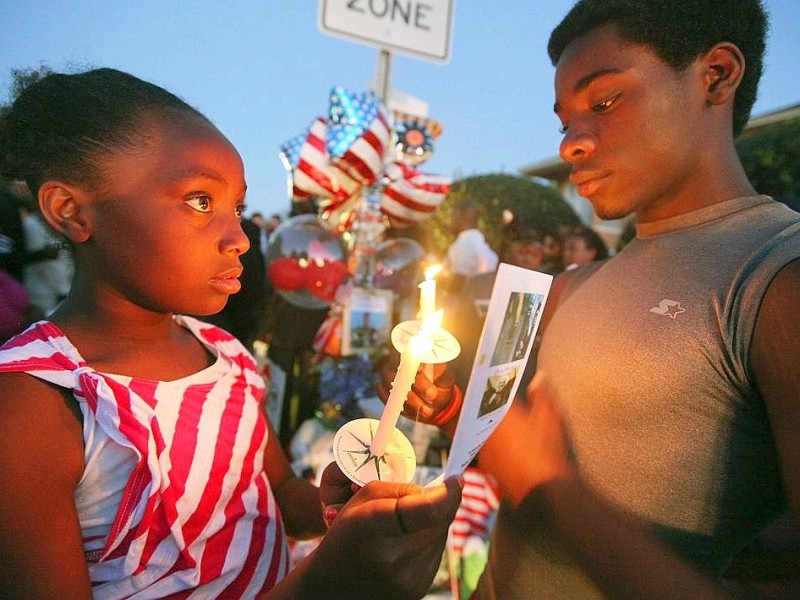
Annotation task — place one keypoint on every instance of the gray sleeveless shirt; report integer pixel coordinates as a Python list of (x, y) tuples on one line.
[(650, 357)]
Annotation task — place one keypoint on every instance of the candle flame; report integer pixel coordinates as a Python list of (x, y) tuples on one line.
[(432, 272), (420, 344), (432, 322)]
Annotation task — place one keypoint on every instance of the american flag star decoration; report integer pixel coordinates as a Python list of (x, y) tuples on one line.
[(312, 173), (359, 133), (411, 196)]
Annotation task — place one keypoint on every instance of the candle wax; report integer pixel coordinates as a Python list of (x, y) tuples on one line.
[(403, 380)]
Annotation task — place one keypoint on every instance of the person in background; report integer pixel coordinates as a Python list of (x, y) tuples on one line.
[(469, 255), (273, 223), (661, 433), (263, 235), (13, 253), (14, 306), (135, 459), (522, 247), (12, 235), (553, 248), (46, 280), (582, 246)]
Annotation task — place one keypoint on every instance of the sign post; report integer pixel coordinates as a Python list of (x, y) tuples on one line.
[(418, 28)]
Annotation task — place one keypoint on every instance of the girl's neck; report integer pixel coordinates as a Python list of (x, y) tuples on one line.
[(146, 345), (112, 321)]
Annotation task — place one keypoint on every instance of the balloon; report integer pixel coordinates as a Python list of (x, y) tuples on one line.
[(411, 196), (333, 160), (358, 133), (397, 254), (397, 265), (413, 138), (306, 264), (286, 274), (340, 218), (312, 173), (324, 278)]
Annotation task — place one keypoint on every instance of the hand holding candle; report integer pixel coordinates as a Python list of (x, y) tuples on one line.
[(365, 453)]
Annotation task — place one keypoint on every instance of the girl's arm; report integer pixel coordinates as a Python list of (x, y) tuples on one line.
[(41, 461), (297, 498)]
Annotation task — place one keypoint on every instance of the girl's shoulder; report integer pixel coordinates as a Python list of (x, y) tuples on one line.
[(42, 348)]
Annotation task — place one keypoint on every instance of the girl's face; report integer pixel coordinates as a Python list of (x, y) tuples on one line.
[(166, 232)]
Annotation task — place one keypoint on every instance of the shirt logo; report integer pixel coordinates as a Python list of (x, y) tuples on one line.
[(669, 308)]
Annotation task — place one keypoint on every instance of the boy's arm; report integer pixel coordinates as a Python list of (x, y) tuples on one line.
[(527, 453), (614, 548), (41, 461), (775, 359)]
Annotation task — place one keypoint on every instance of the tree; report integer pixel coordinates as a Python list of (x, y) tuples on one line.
[(539, 205), (771, 159)]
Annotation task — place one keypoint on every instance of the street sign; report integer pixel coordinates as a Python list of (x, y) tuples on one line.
[(419, 28)]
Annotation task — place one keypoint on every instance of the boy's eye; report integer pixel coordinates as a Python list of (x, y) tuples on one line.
[(240, 209), (563, 129), (200, 203), (605, 104)]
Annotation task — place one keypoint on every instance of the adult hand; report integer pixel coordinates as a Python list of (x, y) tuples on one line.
[(386, 541)]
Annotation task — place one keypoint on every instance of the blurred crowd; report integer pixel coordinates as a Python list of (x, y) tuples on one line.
[(36, 267)]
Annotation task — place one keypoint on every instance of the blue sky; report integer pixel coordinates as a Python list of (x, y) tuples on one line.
[(262, 70)]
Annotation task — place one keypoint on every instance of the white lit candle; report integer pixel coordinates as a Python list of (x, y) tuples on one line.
[(427, 293), (427, 303), (418, 346)]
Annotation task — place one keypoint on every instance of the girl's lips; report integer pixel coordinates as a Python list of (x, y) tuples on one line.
[(227, 283)]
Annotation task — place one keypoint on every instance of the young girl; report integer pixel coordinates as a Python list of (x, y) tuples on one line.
[(134, 459)]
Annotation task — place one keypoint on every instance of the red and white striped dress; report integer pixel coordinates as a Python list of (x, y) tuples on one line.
[(480, 500), (173, 501)]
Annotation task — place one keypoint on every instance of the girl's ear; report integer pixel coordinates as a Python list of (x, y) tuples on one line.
[(64, 207), (723, 68)]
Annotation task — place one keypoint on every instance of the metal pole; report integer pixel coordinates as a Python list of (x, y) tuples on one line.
[(383, 74)]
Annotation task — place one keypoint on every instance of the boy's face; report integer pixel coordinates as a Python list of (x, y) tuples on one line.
[(633, 126)]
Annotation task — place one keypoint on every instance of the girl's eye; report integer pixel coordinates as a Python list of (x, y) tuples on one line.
[(240, 210), (200, 203), (563, 129)]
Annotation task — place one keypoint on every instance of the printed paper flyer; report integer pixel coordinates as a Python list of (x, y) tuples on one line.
[(513, 316)]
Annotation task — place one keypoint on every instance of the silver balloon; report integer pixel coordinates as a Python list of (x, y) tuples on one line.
[(398, 264)]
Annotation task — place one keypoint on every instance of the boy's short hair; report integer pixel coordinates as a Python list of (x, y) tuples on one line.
[(678, 31)]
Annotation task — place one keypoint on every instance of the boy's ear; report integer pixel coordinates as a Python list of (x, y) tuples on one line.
[(63, 207), (723, 68)]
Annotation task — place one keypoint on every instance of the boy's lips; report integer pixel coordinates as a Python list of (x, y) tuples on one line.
[(586, 184)]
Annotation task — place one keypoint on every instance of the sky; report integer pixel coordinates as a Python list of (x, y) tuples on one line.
[(262, 70)]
